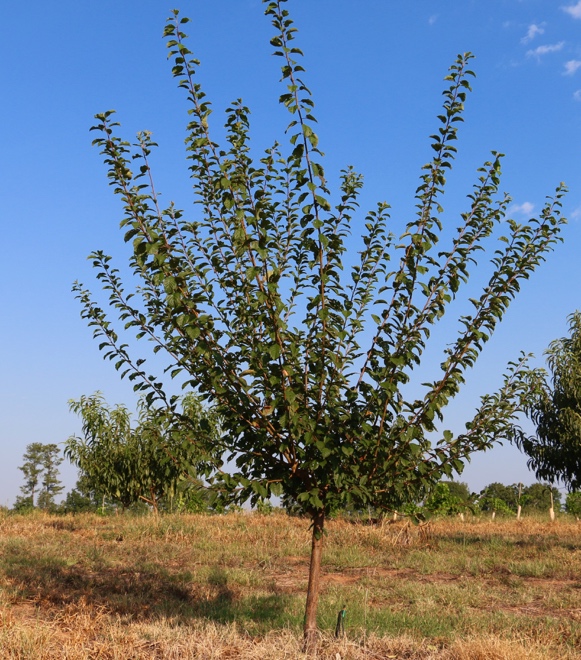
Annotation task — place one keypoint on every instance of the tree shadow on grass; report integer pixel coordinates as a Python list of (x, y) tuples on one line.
[(142, 592)]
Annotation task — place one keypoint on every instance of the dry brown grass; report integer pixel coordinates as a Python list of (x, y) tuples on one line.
[(233, 587)]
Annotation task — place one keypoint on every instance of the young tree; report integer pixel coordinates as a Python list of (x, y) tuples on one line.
[(127, 464), (262, 309), (555, 409)]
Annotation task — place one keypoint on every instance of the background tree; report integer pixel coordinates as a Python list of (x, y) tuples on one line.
[(127, 464), (192, 496), (50, 483), (103, 454), (83, 498), (554, 407), (573, 504), (32, 469), (449, 498), (500, 498), (260, 307), (537, 498), (23, 504), (40, 470), (460, 490)]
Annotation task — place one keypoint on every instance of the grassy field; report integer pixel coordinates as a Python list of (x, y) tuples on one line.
[(233, 586)]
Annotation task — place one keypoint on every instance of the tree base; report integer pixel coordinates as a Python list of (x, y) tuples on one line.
[(311, 641)]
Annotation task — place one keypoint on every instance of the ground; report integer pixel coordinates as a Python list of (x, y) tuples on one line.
[(233, 586)]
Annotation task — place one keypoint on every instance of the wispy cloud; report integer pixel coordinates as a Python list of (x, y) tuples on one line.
[(571, 66), (533, 31), (576, 214), (526, 208), (577, 95), (573, 10), (539, 51), (433, 19)]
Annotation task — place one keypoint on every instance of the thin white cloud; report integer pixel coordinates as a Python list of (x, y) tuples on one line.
[(573, 10), (526, 208), (571, 66), (539, 51), (576, 214), (533, 31), (433, 19), (577, 95)]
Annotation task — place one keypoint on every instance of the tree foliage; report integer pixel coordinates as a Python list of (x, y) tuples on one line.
[(554, 407), (40, 469), (506, 499), (304, 346), (573, 504), (500, 498), (50, 483), (537, 497), (32, 470), (83, 498), (449, 498), (145, 462)]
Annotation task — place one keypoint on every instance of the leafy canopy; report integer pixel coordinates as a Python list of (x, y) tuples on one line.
[(554, 407), (301, 343)]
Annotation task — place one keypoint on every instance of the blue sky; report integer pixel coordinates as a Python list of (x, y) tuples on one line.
[(376, 71)]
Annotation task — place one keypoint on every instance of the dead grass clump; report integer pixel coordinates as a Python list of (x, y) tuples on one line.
[(92, 634), (493, 648)]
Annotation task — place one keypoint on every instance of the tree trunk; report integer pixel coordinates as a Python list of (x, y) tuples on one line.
[(310, 627), (154, 502)]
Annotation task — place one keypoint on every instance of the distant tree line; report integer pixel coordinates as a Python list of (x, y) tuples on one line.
[(452, 497), (133, 469)]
